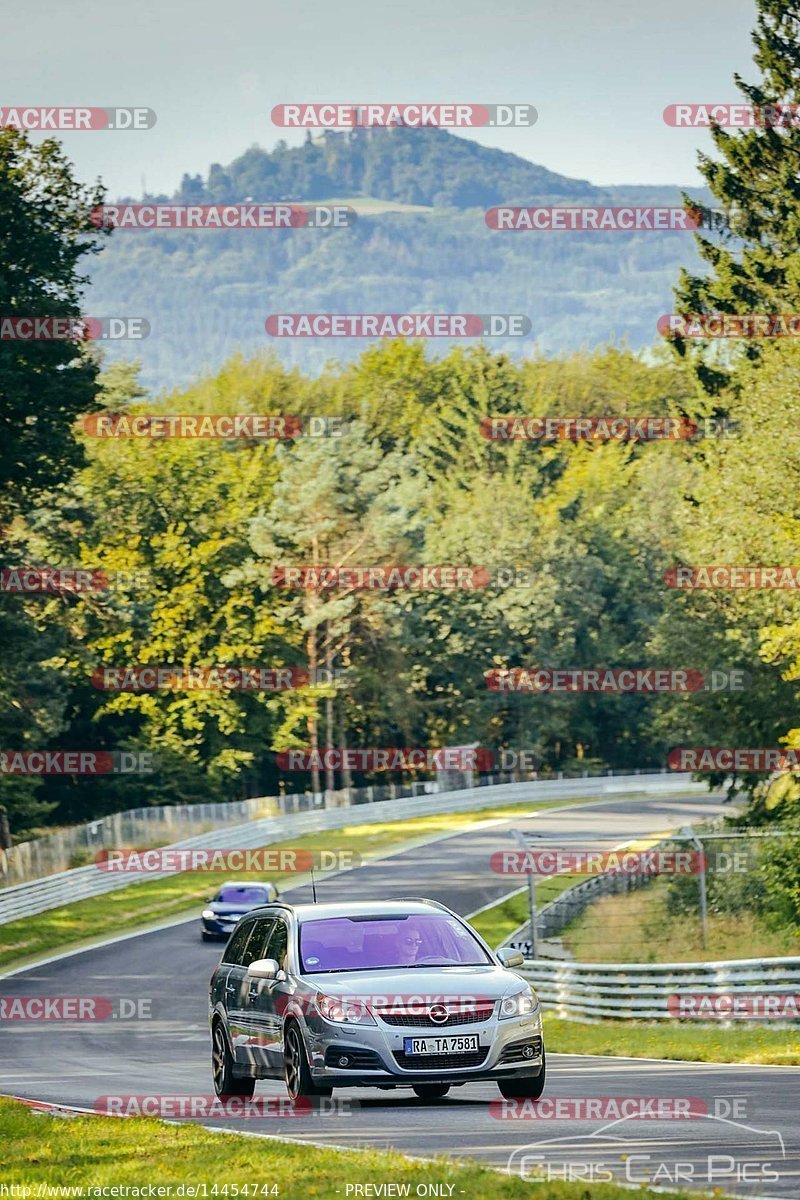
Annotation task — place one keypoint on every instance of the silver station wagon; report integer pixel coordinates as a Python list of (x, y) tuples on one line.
[(391, 993)]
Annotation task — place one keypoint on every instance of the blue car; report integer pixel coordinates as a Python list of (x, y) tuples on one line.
[(231, 902)]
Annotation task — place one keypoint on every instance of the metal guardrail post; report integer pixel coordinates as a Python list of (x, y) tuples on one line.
[(521, 842)]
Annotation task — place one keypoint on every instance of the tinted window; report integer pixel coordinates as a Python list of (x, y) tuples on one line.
[(279, 944), (257, 945), (244, 894), (359, 943), (235, 947)]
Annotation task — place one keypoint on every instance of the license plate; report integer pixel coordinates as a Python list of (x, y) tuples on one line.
[(441, 1045)]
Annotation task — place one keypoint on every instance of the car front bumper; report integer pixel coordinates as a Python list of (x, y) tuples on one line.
[(217, 928), (375, 1053)]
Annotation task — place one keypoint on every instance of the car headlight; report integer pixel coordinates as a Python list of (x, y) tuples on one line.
[(344, 1010), (521, 1004), (208, 914)]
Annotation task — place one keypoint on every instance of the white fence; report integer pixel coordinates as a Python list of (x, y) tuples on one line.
[(53, 891), (652, 991), (161, 825)]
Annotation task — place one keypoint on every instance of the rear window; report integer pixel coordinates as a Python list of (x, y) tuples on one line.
[(243, 894)]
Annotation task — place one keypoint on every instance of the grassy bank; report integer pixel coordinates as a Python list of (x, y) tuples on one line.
[(639, 927), (107, 1151), (743, 1043)]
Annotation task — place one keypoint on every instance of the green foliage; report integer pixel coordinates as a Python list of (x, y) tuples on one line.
[(45, 230), (44, 233), (755, 176)]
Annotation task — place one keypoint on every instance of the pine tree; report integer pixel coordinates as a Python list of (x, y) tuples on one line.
[(756, 178)]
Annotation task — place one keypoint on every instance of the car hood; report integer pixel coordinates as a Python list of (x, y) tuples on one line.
[(426, 983), (231, 910)]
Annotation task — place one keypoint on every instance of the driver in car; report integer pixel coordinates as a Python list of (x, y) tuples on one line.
[(409, 945)]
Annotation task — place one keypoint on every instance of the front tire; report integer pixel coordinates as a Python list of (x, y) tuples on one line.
[(530, 1087), (296, 1071), (431, 1091), (225, 1082)]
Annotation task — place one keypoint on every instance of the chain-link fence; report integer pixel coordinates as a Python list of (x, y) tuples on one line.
[(711, 893)]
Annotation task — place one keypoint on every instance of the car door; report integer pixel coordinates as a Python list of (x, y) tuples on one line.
[(245, 1038), (267, 1000), (231, 956)]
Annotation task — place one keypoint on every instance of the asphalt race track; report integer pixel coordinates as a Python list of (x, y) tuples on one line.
[(753, 1140)]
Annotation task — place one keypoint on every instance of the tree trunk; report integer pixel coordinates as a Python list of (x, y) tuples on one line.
[(330, 777), (347, 778), (313, 729)]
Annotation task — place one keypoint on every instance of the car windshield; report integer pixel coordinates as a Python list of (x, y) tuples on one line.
[(373, 943), (243, 894)]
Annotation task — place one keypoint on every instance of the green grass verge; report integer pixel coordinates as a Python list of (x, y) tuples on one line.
[(639, 927), (146, 903), (686, 1043), (497, 923), (106, 1151)]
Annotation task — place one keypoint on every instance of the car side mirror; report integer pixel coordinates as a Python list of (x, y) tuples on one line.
[(266, 968), (511, 958)]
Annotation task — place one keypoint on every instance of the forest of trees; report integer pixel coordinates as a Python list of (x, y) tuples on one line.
[(194, 527)]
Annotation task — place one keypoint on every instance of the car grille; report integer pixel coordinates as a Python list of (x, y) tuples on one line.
[(366, 1059), (440, 1062), (421, 1020), (514, 1052)]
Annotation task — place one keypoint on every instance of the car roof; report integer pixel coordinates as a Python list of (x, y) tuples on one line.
[(244, 883), (357, 908)]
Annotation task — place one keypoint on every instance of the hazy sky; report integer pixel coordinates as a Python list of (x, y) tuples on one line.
[(600, 72)]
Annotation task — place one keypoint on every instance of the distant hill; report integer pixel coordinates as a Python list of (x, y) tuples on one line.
[(207, 293), (415, 166)]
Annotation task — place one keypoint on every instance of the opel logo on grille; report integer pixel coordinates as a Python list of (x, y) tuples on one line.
[(438, 1014)]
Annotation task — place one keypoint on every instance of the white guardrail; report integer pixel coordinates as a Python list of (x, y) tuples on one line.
[(653, 991), (54, 891)]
